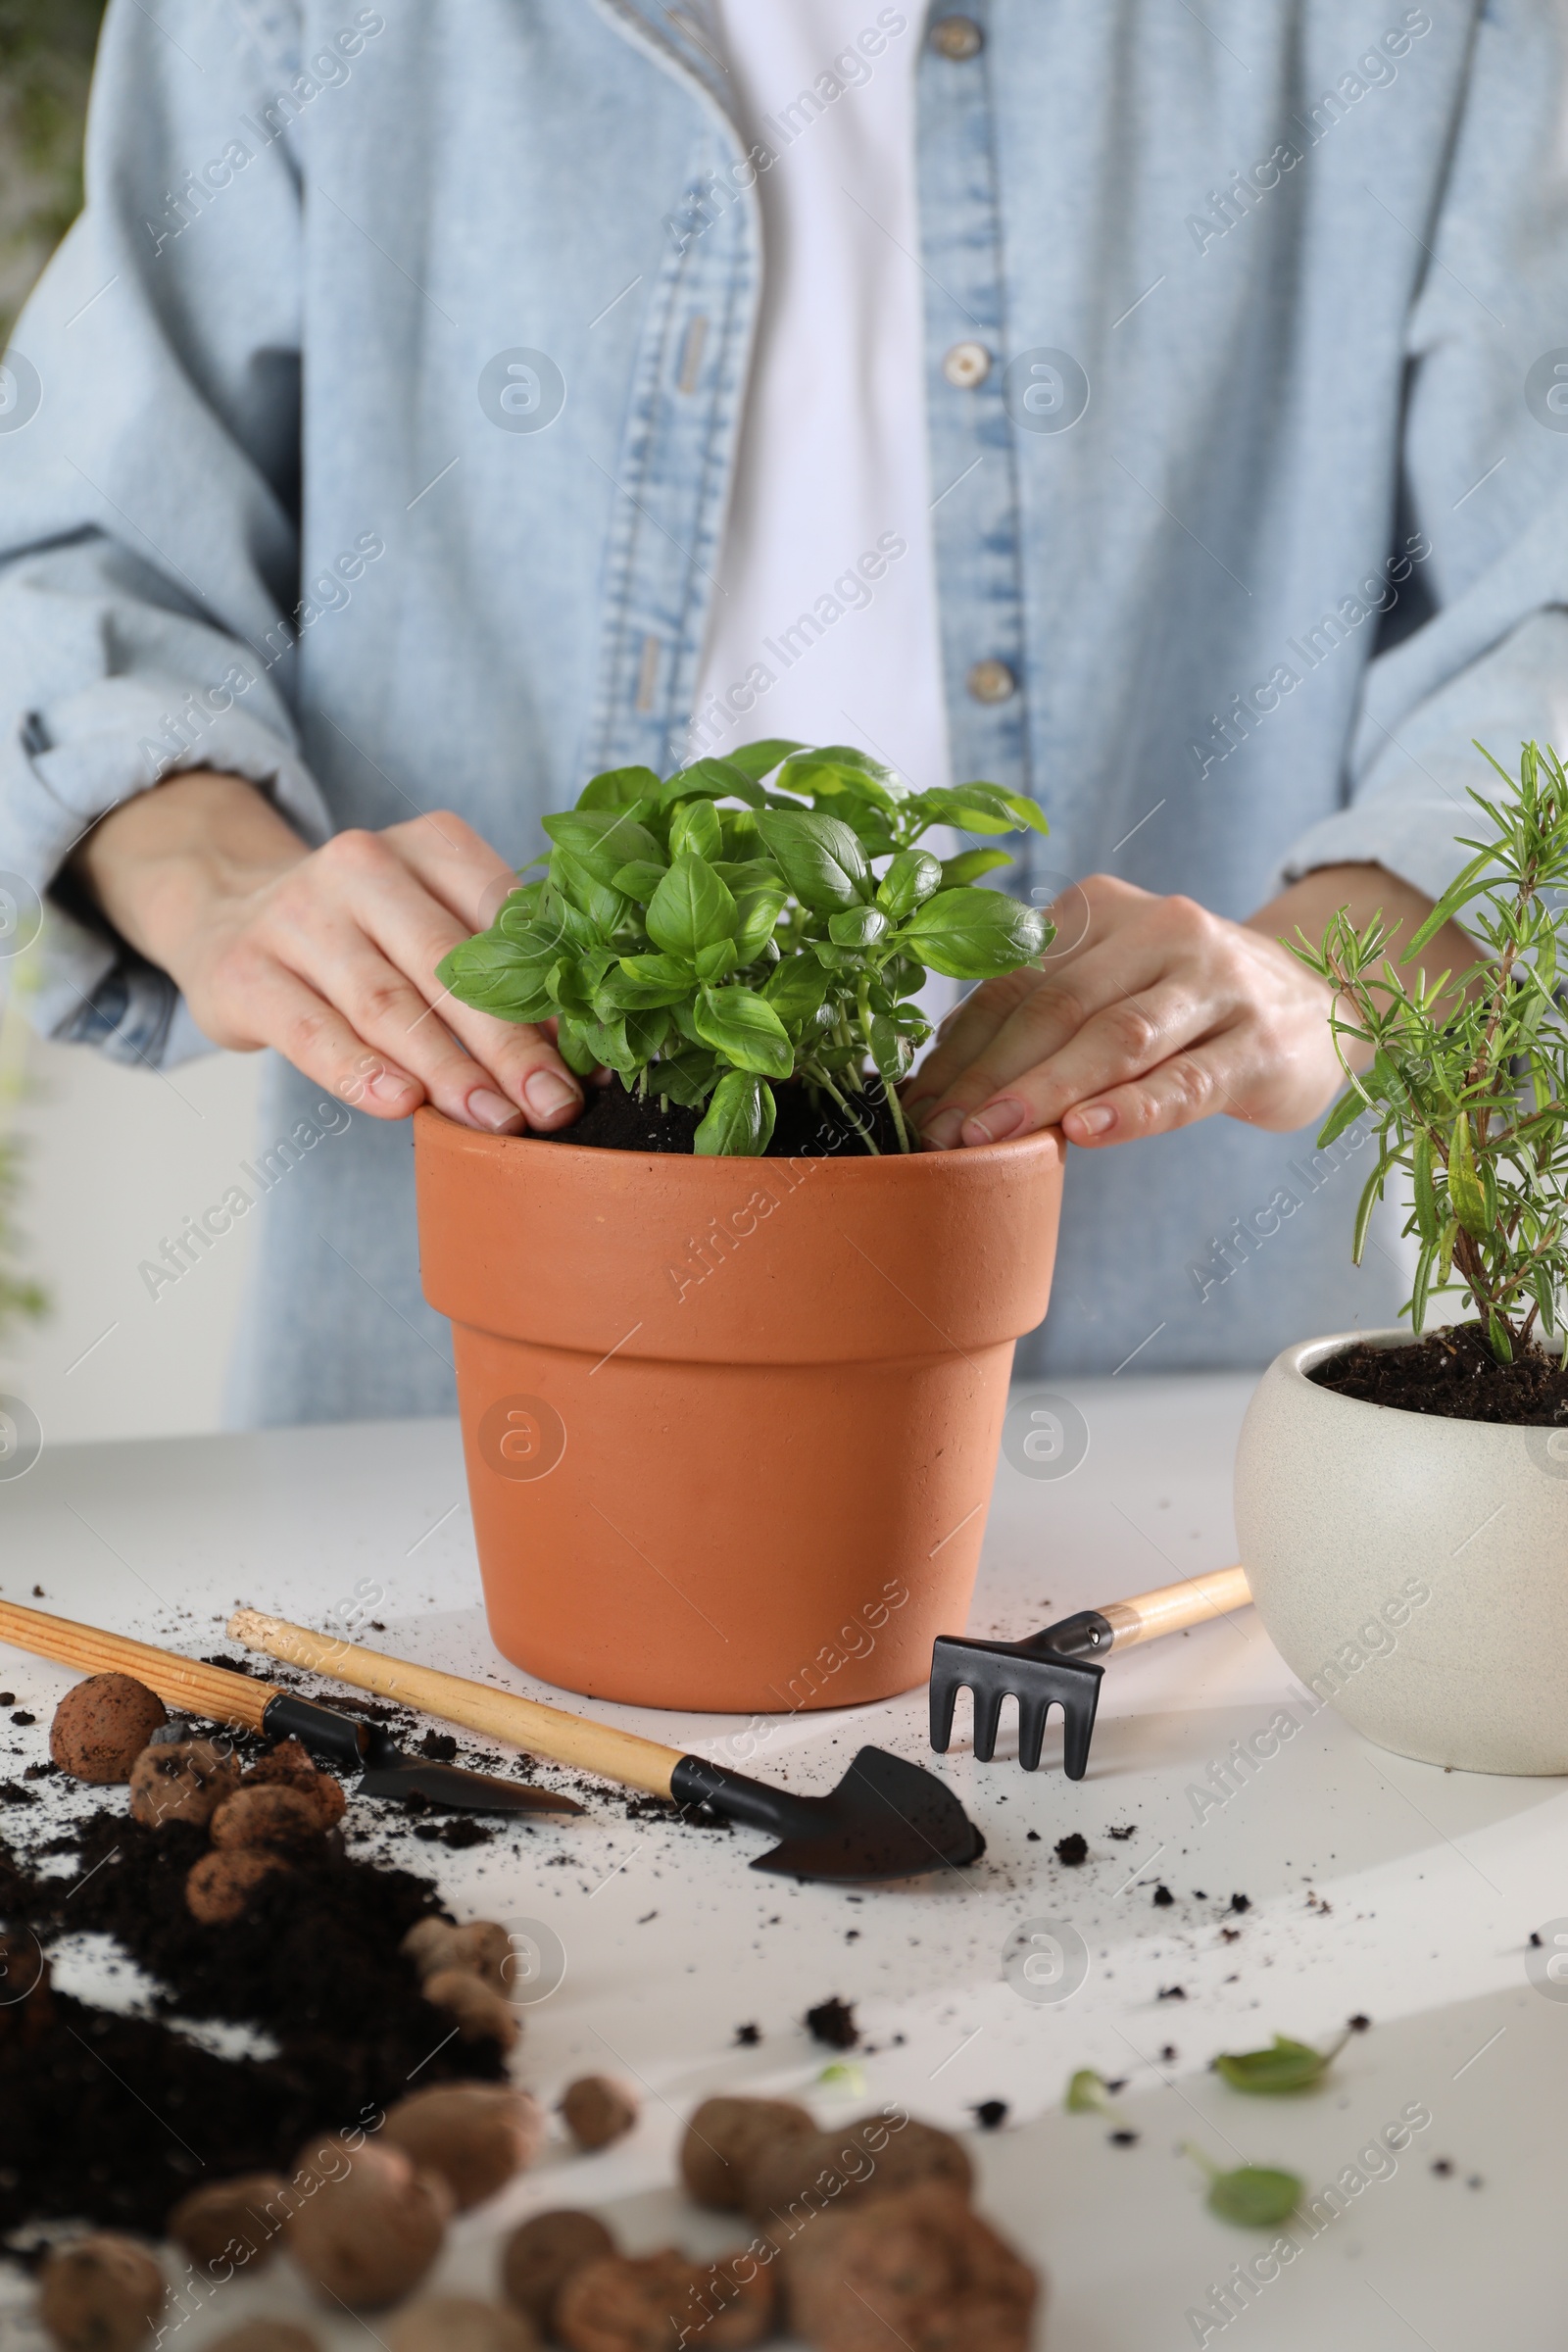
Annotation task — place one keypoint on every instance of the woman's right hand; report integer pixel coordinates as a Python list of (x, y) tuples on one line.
[(328, 955)]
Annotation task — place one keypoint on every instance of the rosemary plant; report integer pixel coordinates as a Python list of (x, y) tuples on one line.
[(1468, 1082)]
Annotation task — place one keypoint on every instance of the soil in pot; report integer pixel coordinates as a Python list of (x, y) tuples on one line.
[(1452, 1374), (808, 1126)]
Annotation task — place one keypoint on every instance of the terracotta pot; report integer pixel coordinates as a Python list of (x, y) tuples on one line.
[(1409, 1569), (730, 1425)]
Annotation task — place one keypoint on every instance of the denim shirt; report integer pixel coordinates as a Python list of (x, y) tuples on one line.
[(370, 437)]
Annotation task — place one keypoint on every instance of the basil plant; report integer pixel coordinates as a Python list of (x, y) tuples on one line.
[(748, 920)]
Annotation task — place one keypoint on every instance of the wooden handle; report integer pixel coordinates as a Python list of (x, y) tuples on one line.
[(1193, 1601), (522, 1721), (184, 1682)]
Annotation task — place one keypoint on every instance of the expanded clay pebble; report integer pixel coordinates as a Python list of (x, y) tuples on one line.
[(599, 2110), (875, 2157), (478, 2136), (458, 2323), (231, 2221), (274, 1816), (219, 1886), (288, 1766), (919, 2269), (101, 2294), (180, 1780), (725, 2137), (266, 2335), (102, 1724), (646, 2303), (481, 1949), (478, 2012), (368, 2225), (543, 2253)]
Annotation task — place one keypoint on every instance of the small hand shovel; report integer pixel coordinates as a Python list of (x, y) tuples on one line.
[(1061, 1666), (222, 1696), (886, 1819)]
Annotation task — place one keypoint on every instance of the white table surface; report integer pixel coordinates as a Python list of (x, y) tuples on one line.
[(1376, 1885)]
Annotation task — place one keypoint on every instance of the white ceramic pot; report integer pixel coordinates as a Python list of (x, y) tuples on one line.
[(1412, 1571)]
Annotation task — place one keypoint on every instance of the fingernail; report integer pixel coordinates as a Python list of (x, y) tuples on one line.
[(995, 1122), (388, 1087), (546, 1093), (943, 1132), (1091, 1118), (492, 1111)]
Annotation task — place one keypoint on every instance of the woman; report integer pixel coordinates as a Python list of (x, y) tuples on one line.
[(434, 406)]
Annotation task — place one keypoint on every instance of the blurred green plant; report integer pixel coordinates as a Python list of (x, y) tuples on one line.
[(1468, 1082), (46, 54)]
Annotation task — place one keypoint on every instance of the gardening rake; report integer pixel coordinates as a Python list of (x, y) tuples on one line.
[(1061, 1666)]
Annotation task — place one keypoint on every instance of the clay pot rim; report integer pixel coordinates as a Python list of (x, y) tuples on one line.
[(1043, 1140), (1304, 1356)]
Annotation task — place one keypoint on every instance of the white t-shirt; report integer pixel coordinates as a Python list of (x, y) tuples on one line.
[(826, 616)]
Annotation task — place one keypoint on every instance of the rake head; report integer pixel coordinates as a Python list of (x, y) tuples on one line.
[(1035, 1673)]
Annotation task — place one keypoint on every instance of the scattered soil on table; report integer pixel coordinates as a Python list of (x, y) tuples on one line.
[(1072, 1850), (991, 2114), (1454, 1375), (111, 2119), (806, 1128)]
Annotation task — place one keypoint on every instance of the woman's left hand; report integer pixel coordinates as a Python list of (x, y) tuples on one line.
[(1159, 1015)]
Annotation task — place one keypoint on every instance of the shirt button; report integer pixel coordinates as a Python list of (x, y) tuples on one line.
[(991, 682), (966, 365), (958, 38)]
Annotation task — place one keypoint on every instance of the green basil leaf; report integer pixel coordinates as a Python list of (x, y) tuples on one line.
[(795, 988), (759, 759), (1288, 2066), (1255, 2195), (713, 780), (645, 1034), (891, 1049), (913, 877), (686, 1078), (749, 873), (820, 859), (970, 865), (567, 991), (640, 879), (971, 934), (695, 827), (974, 808), (690, 909), (837, 959), (739, 1118), (572, 1043), (622, 990), (602, 841), (759, 911), (494, 976), (619, 788), (604, 908), (717, 962), (856, 926), (1086, 2093), (744, 1027)]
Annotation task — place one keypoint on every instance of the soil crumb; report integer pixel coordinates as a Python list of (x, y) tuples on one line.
[(832, 2022)]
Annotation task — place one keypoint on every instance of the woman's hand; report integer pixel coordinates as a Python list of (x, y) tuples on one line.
[(328, 955), (1158, 1014)]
